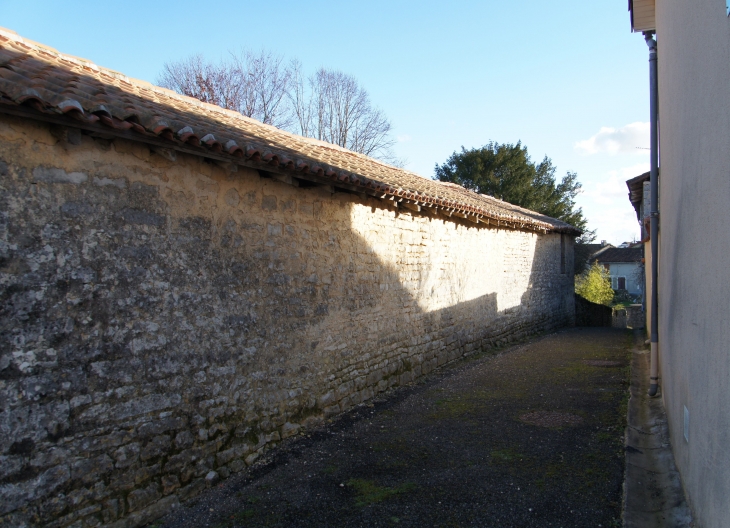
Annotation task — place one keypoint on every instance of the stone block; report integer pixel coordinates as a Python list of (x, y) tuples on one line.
[(156, 447), (149, 514), (236, 466), (184, 439), (289, 429), (250, 459), (145, 473), (111, 510), (10, 465), (226, 456), (90, 470), (52, 508), (192, 489), (212, 478), (177, 462), (170, 483), (126, 455), (13, 496), (79, 497), (159, 426), (140, 498)]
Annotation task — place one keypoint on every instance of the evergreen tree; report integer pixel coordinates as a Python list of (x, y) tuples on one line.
[(594, 284), (506, 172)]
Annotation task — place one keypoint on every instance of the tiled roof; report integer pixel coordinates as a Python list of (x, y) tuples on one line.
[(41, 83), (595, 248), (636, 190), (620, 255)]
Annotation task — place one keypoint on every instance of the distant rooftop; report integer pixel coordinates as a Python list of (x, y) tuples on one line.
[(617, 255)]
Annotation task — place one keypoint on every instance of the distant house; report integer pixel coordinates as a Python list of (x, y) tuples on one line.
[(625, 268)]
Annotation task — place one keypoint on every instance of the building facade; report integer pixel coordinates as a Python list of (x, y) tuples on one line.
[(693, 48), (625, 267)]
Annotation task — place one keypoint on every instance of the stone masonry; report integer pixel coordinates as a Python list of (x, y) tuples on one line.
[(163, 321)]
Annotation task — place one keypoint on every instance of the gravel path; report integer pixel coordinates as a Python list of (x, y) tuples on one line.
[(532, 436)]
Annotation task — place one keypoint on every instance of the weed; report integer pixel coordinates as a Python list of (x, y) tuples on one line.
[(448, 408), (504, 456), (367, 492)]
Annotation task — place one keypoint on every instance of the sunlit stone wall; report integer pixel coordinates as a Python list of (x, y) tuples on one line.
[(164, 322)]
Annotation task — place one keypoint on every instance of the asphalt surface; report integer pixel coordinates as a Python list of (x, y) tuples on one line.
[(529, 436)]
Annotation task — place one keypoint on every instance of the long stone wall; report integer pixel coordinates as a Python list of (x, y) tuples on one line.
[(164, 322)]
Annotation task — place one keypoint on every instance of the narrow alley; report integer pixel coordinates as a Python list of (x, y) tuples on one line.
[(529, 436)]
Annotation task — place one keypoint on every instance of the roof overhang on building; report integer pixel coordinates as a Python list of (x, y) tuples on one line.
[(636, 191), (642, 15)]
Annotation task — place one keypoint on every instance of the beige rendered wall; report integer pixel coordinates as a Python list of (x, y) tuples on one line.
[(165, 322), (647, 287), (693, 39)]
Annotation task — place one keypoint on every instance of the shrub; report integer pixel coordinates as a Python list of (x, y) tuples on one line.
[(622, 297), (594, 284)]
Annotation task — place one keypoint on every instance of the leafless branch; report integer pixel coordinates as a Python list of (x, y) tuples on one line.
[(329, 105)]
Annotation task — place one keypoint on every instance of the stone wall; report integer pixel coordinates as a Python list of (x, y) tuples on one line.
[(588, 313), (635, 316), (164, 322)]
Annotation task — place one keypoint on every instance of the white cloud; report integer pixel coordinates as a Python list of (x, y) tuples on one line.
[(404, 138), (613, 187), (605, 203), (617, 140)]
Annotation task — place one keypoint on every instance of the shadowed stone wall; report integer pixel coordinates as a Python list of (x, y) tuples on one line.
[(164, 322)]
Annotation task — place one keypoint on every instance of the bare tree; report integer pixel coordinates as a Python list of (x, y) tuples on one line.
[(301, 101), (210, 83), (333, 107), (329, 105), (254, 84), (266, 83)]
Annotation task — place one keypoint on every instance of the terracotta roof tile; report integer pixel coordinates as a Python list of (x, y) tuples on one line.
[(620, 255), (39, 77)]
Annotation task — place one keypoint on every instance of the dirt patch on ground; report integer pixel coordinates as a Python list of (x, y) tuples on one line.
[(551, 419), (460, 448), (602, 363)]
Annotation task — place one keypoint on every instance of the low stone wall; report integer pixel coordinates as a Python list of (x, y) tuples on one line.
[(588, 313), (635, 316), (164, 322), (619, 318)]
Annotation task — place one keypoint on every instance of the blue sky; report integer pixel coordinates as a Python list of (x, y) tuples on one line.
[(567, 78)]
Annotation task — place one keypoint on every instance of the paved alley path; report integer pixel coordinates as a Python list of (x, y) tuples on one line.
[(530, 437)]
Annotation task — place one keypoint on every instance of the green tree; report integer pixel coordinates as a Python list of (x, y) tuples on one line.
[(506, 171), (594, 284)]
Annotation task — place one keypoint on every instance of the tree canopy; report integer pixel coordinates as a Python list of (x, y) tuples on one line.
[(506, 171), (594, 284)]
